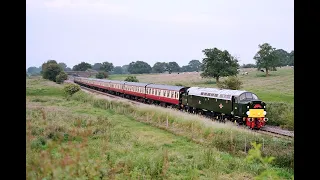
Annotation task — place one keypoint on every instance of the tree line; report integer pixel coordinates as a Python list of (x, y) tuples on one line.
[(216, 63)]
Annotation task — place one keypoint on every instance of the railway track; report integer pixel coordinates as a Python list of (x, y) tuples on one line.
[(277, 131), (274, 131)]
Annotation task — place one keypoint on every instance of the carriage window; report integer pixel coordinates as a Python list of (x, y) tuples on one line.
[(172, 95), (164, 93), (168, 93), (152, 91)]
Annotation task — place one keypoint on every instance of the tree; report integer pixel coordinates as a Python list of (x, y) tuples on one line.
[(63, 66), (33, 70), (83, 66), (291, 58), (283, 57), (195, 65), (218, 64), (117, 70), (106, 66), (96, 66), (139, 67), (248, 66), (186, 68), (50, 70), (173, 67), (266, 58), (159, 67), (102, 75), (125, 69)]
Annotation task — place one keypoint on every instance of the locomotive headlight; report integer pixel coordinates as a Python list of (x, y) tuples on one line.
[(264, 107), (247, 107), (264, 112), (248, 113)]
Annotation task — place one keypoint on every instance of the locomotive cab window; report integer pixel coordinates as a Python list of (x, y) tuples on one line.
[(248, 96)]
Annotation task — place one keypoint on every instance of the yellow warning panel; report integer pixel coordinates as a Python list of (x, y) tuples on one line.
[(256, 113)]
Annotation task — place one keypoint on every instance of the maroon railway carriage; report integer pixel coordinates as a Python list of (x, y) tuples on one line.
[(89, 82), (100, 84), (164, 94), (116, 87), (135, 90)]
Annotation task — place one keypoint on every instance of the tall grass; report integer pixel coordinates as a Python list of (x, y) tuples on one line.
[(224, 137), (66, 145)]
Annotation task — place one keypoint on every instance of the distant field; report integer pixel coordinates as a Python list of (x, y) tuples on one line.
[(278, 87)]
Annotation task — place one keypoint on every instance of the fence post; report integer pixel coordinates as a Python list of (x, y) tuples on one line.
[(167, 122), (245, 145), (147, 117), (192, 130)]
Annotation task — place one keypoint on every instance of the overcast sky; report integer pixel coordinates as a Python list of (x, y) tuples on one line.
[(122, 31)]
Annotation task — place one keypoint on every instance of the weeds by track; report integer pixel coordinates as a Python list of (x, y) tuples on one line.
[(269, 130)]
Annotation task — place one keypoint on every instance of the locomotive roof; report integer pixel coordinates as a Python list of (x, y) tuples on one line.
[(225, 94), (136, 84), (167, 87)]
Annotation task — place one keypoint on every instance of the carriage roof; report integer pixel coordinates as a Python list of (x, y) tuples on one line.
[(225, 94), (136, 84), (166, 87), (115, 81)]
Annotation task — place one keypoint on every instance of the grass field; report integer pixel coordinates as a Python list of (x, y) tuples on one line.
[(88, 138), (278, 87)]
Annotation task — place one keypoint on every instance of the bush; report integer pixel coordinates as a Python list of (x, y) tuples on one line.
[(280, 114), (70, 89), (231, 82), (62, 76), (132, 79), (102, 75)]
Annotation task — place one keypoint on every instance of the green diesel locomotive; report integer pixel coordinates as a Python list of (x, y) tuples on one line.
[(240, 106)]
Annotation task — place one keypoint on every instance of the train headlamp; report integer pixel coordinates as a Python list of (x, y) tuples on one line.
[(264, 112), (248, 113)]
